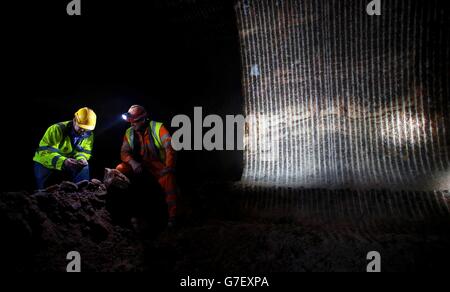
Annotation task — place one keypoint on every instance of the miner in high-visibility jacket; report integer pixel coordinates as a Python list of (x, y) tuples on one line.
[(147, 149), (65, 149)]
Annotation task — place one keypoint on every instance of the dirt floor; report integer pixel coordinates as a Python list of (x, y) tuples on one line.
[(40, 229), (236, 247)]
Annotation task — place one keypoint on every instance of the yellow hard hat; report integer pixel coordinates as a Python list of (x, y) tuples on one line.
[(86, 118)]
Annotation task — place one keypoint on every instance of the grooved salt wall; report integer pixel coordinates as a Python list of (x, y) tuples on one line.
[(338, 99)]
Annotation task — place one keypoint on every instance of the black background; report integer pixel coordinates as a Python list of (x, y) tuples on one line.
[(164, 55)]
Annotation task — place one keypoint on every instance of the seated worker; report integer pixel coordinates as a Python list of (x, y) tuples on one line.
[(65, 150), (147, 150)]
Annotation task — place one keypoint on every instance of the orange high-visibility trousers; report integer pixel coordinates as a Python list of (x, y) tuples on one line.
[(167, 183)]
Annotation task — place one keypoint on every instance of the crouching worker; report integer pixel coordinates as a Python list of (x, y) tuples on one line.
[(147, 150), (65, 150)]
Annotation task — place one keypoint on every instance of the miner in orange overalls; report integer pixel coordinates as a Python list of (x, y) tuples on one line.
[(147, 148)]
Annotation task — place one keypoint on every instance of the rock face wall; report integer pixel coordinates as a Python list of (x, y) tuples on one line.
[(337, 99)]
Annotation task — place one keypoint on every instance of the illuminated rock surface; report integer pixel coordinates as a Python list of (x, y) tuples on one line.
[(338, 99)]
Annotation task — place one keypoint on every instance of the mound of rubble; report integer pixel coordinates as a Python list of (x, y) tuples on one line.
[(40, 229)]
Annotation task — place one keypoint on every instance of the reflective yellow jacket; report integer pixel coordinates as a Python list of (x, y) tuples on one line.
[(56, 146)]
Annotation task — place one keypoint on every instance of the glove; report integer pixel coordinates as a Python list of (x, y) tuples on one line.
[(136, 166), (71, 164)]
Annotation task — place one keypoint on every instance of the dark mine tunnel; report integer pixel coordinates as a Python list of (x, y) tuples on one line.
[(346, 144)]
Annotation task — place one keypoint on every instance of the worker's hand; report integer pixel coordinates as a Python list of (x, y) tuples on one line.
[(82, 162), (136, 166), (71, 164)]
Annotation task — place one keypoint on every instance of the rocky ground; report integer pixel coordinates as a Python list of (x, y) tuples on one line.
[(39, 230), (255, 248)]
